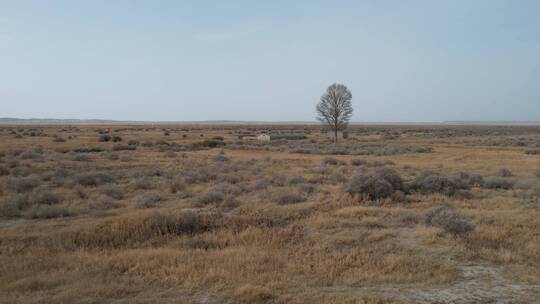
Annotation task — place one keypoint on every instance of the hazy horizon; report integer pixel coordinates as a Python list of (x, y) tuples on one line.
[(414, 61)]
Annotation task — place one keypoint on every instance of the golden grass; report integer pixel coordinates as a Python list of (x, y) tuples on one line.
[(331, 248)]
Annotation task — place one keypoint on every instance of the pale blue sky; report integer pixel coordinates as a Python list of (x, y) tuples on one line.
[(270, 60)]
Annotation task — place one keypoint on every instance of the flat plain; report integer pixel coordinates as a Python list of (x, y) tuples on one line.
[(209, 214)]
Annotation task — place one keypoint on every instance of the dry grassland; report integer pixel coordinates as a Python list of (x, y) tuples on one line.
[(192, 214)]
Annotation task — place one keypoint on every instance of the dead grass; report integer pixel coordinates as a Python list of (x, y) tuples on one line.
[(254, 226)]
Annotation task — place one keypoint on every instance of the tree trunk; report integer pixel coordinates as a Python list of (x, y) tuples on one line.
[(335, 136)]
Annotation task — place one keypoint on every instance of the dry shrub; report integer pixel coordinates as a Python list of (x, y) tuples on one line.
[(143, 183), (532, 151), (135, 230), (47, 211), (496, 182), (286, 195), (295, 180), (88, 150), (12, 206), (177, 184), (249, 293), (45, 197), (94, 178), (148, 200), (329, 161), (447, 217), (230, 178), (124, 148), (22, 184), (4, 171), (103, 202), (260, 183), (504, 172), (376, 184), (219, 193), (112, 191), (431, 182)]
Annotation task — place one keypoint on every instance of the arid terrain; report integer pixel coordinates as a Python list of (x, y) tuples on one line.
[(209, 214)]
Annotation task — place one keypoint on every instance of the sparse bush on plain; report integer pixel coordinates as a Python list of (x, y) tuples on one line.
[(88, 150), (447, 217), (329, 161), (286, 196), (431, 182), (497, 182), (23, 184), (47, 212), (104, 138), (148, 200), (532, 151), (375, 184), (45, 197), (4, 171), (94, 178), (112, 191), (504, 172), (124, 148)]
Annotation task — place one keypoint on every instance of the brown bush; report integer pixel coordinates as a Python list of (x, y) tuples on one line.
[(445, 216)]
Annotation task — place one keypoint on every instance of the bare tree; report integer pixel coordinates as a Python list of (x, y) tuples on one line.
[(335, 108)]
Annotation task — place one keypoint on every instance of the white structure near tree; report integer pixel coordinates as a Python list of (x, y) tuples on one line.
[(263, 137)]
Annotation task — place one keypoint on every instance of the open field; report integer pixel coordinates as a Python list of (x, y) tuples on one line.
[(193, 214)]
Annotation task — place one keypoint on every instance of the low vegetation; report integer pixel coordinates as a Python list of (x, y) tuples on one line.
[(392, 214)]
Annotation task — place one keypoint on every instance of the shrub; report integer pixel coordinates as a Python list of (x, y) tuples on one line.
[(381, 183), (504, 172), (536, 173), (133, 142), (104, 138), (358, 162), (285, 196), (124, 148), (116, 138), (253, 294), (295, 180), (4, 171), (220, 158), (532, 151), (431, 182), (22, 184), (148, 200), (329, 161), (170, 154), (260, 183), (81, 158), (88, 150), (11, 206), (45, 197), (211, 196), (177, 185), (112, 191), (103, 202), (143, 183), (46, 212), (229, 178), (473, 179), (447, 217), (31, 155), (147, 144), (94, 178), (496, 182), (133, 231)]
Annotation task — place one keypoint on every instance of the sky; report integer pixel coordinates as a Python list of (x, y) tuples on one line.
[(403, 60)]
